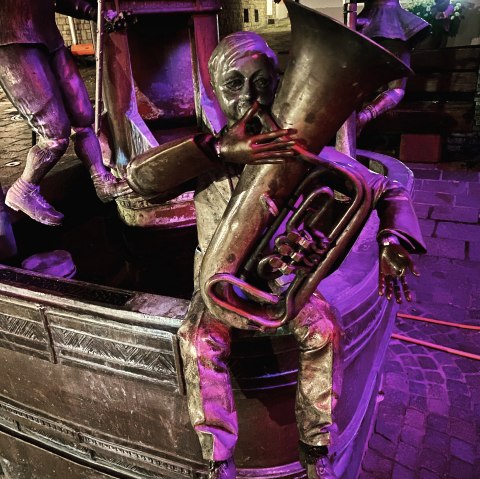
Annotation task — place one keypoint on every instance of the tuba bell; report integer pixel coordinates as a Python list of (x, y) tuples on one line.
[(289, 225)]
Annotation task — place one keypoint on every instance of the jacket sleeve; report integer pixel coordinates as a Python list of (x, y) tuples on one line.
[(165, 167), (82, 9), (395, 211)]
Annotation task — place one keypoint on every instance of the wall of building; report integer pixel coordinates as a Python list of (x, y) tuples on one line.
[(82, 29), (239, 15)]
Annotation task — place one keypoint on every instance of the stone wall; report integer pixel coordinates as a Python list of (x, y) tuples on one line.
[(242, 15), (82, 29)]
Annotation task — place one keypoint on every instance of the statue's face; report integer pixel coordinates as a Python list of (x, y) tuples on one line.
[(249, 79)]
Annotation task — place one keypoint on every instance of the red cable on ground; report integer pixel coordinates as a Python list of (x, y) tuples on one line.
[(457, 352), (445, 349), (437, 321)]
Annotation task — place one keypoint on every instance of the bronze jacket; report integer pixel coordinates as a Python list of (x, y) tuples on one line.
[(165, 167), (33, 21)]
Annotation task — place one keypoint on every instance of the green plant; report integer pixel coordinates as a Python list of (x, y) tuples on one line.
[(445, 17)]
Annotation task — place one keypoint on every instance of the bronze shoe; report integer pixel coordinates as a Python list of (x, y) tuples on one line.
[(321, 469), (25, 196), (316, 462), (108, 187), (222, 469)]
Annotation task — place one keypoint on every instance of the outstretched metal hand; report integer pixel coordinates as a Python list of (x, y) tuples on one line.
[(394, 263), (236, 145)]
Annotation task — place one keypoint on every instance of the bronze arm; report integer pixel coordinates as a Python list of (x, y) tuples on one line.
[(163, 168)]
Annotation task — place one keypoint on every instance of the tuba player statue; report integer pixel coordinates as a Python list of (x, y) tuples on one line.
[(42, 81), (244, 75)]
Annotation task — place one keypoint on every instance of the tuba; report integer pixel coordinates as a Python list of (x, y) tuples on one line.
[(289, 225)]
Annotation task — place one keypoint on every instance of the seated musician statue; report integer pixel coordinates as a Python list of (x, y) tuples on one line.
[(397, 30), (244, 75), (42, 81)]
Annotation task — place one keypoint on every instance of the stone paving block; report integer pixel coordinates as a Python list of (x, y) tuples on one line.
[(446, 247), (401, 472), (437, 422), (433, 461), (426, 474), (474, 250), (462, 214), (415, 374), (396, 379), (433, 198), (453, 372), (438, 405), (464, 430), (462, 450), (377, 464), (457, 387), (418, 388), (426, 173), (382, 445), (460, 401), (473, 380), (461, 175), (421, 210), (406, 455), (442, 186), (467, 365), (408, 360), (437, 441), (427, 226), (460, 470), (434, 377), (388, 427), (412, 436), (457, 231), (418, 402), (460, 413), (415, 418), (418, 184), (366, 475), (427, 362)]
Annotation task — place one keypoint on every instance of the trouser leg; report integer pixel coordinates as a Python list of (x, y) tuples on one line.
[(314, 330), (29, 82), (205, 347), (81, 114)]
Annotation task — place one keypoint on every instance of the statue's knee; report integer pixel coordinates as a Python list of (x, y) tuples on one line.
[(56, 145)]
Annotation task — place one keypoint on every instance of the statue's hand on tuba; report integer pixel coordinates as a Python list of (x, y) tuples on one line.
[(289, 224)]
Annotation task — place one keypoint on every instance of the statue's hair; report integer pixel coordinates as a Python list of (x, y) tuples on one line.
[(236, 46)]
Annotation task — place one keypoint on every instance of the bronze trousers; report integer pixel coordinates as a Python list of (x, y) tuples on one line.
[(205, 347)]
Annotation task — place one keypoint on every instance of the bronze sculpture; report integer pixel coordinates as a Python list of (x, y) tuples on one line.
[(42, 81), (244, 76), (398, 30)]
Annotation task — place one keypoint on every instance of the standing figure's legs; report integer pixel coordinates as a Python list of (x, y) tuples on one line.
[(81, 114), (314, 330), (205, 347), (29, 83)]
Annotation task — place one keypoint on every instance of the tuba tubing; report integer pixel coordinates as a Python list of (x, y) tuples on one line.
[(331, 70)]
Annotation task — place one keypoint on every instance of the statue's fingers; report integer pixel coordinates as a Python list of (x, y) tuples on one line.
[(381, 284), (406, 290), (273, 135), (273, 154), (277, 145), (269, 161), (251, 112), (397, 291), (414, 269), (389, 287)]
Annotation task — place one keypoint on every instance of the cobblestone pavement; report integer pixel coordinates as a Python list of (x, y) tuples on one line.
[(429, 420)]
